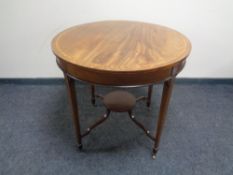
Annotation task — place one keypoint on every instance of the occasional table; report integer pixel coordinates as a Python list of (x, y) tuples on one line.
[(121, 53)]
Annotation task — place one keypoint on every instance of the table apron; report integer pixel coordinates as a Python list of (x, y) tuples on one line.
[(108, 78)]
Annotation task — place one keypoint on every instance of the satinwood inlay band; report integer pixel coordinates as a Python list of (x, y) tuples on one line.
[(114, 49)]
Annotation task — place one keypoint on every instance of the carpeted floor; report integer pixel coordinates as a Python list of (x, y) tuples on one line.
[(36, 134)]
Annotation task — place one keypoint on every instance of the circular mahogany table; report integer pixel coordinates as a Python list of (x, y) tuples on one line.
[(121, 53)]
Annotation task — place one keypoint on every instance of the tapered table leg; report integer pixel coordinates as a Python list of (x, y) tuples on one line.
[(167, 90), (150, 89), (93, 94), (74, 107)]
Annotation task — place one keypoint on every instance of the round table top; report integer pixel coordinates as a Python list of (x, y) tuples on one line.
[(119, 46)]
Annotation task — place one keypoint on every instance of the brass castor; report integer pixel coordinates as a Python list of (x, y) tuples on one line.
[(154, 152)]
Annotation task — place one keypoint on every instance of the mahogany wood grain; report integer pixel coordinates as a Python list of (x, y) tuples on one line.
[(129, 52), (121, 53), (167, 91), (74, 107)]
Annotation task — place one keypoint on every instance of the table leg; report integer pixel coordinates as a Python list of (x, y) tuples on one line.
[(70, 83), (93, 94), (167, 90), (150, 89)]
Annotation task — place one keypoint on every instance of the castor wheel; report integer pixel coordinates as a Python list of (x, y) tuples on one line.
[(154, 152), (153, 157)]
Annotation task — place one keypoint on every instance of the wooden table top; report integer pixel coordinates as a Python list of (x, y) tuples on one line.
[(120, 46)]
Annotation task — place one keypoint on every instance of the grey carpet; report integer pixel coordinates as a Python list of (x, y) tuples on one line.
[(36, 134)]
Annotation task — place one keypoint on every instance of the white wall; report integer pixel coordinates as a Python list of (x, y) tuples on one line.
[(27, 27)]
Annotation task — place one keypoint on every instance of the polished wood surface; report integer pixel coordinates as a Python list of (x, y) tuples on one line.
[(121, 46), (167, 91), (121, 53), (97, 52), (70, 84)]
